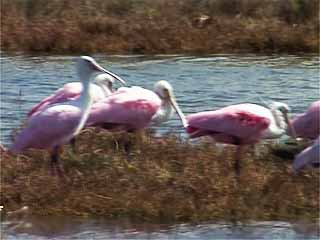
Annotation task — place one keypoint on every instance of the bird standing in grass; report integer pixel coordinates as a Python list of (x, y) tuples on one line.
[(59, 123), (240, 125), (134, 108)]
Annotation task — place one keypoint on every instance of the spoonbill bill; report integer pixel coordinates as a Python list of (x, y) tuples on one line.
[(70, 91), (307, 125), (240, 125), (59, 123), (135, 108), (309, 156)]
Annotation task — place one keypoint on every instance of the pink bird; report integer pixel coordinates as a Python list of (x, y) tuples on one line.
[(134, 108), (58, 123), (309, 156), (240, 125), (71, 91), (307, 125)]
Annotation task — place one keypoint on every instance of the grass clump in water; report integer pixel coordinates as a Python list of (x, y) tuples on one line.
[(162, 178)]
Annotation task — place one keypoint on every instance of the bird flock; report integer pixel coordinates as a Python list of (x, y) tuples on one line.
[(59, 118)]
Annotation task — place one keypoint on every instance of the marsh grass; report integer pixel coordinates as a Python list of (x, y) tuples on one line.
[(162, 178), (160, 26)]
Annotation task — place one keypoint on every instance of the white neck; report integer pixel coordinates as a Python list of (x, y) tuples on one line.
[(105, 88), (84, 101), (280, 125), (164, 113)]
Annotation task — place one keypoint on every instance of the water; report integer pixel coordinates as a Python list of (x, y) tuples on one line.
[(66, 228), (200, 83)]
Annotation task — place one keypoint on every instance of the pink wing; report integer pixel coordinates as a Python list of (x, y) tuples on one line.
[(307, 125), (227, 123), (68, 92), (48, 129), (128, 106)]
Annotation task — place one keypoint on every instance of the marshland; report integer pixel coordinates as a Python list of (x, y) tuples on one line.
[(168, 186)]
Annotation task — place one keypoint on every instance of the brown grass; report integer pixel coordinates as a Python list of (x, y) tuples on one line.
[(160, 26), (167, 179)]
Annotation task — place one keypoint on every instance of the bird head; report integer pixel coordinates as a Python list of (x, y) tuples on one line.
[(281, 111), (87, 66), (165, 91)]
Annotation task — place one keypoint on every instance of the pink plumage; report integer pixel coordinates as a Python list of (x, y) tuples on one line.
[(307, 125), (130, 108), (242, 122), (309, 156), (68, 92), (46, 129), (239, 125)]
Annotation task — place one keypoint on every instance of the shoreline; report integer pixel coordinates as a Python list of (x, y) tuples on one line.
[(160, 27)]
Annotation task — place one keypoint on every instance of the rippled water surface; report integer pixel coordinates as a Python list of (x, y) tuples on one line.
[(65, 228), (200, 83)]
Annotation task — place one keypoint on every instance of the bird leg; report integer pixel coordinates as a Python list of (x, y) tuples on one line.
[(73, 145), (237, 165), (55, 164)]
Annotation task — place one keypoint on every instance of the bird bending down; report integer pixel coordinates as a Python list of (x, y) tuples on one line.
[(309, 156), (307, 125), (240, 125), (102, 88), (134, 108), (59, 123)]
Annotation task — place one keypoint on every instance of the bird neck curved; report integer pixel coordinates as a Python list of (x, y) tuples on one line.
[(105, 88), (164, 113), (280, 124)]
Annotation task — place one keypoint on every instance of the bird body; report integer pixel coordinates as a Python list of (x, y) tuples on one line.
[(54, 126), (134, 108), (307, 125), (309, 156), (73, 90), (240, 124), (246, 122)]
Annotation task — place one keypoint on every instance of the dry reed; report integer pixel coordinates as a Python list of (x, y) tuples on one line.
[(162, 178)]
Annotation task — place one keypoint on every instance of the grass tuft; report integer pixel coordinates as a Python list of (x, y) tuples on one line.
[(161, 179)]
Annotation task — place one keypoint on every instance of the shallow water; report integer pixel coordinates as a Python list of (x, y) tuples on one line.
[(200, 83), (66, 228)]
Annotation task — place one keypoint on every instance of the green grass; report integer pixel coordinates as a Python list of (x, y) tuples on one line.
[(163, 179), (160, 26)]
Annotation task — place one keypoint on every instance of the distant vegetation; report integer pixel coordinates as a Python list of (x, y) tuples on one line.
[(162, 179), (160, 26)]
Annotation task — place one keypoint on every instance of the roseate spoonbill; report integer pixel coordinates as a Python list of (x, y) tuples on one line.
[(59, 123), (309, 156), (70, 91), (307, 125), (240, 125), (135, 108)]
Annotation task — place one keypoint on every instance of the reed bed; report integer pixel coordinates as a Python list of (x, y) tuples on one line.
[(167, 178), (160, 26)]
